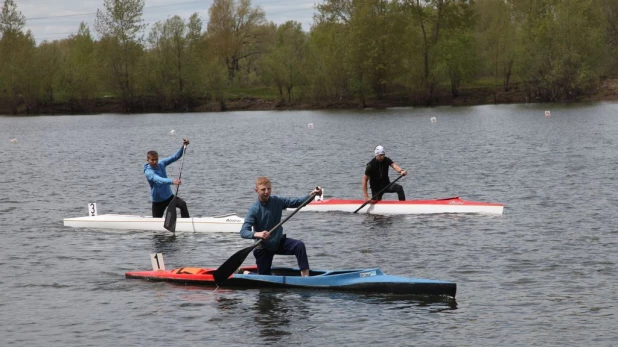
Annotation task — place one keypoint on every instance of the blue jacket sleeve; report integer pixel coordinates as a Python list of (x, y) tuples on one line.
[(246, 232), (152, 177), (172, 158)]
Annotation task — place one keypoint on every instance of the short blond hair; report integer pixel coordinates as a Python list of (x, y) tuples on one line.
[(262, 180)]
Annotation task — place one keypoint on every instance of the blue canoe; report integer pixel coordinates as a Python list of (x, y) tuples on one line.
[(357, 280)]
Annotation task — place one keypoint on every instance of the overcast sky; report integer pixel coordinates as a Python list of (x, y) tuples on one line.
[(58, 19)]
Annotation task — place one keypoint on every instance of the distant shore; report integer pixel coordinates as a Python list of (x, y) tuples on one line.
[(607, 91)]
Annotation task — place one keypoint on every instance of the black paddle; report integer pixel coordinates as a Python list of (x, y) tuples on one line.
[(378, 194), (170, 215), (235, 261)]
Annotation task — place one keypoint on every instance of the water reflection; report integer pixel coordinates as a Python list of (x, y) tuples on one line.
[(165, 243), (399, 301), (377, 220), (277, 311), (272, 314), (226, 303), (433, 303)]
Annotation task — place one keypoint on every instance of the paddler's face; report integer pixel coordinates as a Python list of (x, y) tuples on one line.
[(380, 157), (263, 191), (153, 161)]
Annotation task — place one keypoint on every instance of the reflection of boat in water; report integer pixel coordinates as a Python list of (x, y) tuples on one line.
[(355, 280), (388, 207)]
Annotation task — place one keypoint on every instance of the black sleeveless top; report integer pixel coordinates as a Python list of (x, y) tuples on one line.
[(377, 171)]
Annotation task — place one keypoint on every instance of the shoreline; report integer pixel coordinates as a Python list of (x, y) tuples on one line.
[(607, 91)]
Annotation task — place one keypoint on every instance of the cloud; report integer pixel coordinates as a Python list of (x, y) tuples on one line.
[(58, 19)]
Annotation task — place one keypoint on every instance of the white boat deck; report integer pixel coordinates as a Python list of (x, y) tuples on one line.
[(393, 207), (225, 224)]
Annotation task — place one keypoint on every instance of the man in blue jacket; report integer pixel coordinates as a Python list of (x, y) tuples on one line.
[(264, 215), (160, 190)]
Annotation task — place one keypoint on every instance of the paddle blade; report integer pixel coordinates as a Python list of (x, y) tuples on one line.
[(170, 217), (232, 264)]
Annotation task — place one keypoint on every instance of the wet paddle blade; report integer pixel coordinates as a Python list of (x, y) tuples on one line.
[(232, 264), (170, 216)]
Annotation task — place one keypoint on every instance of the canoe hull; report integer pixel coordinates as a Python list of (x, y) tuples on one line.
[(391, 207), (357, 280), (226, 224)]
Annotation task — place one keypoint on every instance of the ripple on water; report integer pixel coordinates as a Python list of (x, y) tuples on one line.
[(541, 274)]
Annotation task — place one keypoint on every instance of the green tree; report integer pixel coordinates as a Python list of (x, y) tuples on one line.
[(327, 50), (47, 63), (284, 64), (11, 20), (16, 55), (79, 73), (610, 9), (458, 58), (175, 67), (334, 11), (562, 48), (372, 54), (120, 26), (235, 31), (326, 53), (496, 32), (29, 77), (432, 21)]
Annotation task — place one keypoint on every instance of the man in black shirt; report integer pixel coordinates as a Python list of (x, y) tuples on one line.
[(376, 172)]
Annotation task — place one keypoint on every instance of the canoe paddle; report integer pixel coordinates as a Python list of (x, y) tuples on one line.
[(170, 215), (378, 194), (235, 261)]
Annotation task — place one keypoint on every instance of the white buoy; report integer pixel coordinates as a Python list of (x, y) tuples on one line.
[(433, 119), (14, 140), (547, 113), (310, 125), (173, 132)]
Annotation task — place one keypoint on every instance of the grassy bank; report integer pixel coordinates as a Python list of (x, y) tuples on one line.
[(264, 98)]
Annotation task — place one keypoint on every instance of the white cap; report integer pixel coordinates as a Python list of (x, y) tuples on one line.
[(379, 150)]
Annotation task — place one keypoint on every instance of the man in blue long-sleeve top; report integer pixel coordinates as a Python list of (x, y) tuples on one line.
[(264, 215), (160, 190)]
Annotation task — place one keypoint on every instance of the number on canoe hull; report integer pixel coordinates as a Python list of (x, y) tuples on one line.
[(157, 261), (92, 209)]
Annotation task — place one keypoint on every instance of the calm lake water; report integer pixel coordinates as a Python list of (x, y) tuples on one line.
[(543, 274)]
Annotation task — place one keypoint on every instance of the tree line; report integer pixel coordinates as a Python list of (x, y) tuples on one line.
[(363, 50)]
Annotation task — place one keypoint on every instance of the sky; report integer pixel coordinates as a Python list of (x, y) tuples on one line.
[(58, 19)]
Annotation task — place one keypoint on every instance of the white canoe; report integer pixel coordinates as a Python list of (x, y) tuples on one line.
[(387, 207), (229, 223)]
